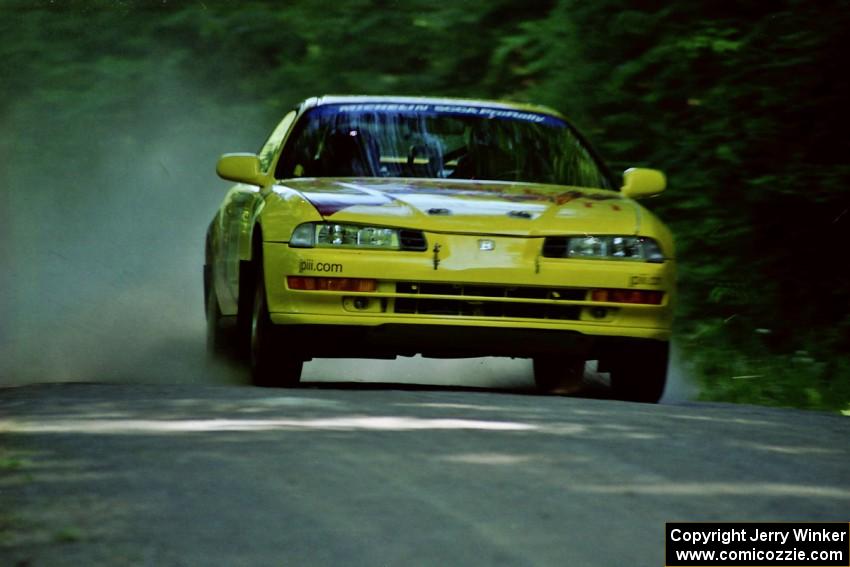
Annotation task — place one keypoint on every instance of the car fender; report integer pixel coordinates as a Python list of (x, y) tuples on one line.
[(283, 209)]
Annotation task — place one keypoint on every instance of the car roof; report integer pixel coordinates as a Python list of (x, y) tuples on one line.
[(478, 103)]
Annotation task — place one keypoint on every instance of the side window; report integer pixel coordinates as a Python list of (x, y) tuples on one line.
[(272, 145)]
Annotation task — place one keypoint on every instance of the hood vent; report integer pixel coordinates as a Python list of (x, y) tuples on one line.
[(413, 240)]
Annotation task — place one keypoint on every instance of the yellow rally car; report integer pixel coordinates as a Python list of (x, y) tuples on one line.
[(376, 227)]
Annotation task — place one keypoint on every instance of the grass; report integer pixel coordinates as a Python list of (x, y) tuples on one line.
[(748, 372), (12, 464), (68, 534)]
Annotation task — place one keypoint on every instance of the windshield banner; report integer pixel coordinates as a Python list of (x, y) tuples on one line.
[(442, 109)]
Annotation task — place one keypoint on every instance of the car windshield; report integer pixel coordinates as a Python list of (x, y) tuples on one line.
[(438, 141)]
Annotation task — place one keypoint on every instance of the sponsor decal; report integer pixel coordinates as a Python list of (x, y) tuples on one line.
[(644, 280), (449, 109), (308, 265)]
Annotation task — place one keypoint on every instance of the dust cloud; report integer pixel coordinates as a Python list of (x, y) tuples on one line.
[(102, 245), (507, 373), (681, 385)]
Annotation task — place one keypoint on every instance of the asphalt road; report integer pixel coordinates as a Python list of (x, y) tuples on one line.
[(374, 474)]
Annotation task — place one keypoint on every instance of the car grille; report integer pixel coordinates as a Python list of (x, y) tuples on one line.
[(487, 301)]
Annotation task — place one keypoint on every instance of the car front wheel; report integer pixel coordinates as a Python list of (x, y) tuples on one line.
[(220, 332), (272, 365), (640, 372)]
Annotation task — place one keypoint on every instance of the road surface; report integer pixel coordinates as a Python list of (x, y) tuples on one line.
[(375, 474)]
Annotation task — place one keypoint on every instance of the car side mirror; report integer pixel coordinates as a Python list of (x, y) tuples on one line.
[(243, 168), (640, 182)]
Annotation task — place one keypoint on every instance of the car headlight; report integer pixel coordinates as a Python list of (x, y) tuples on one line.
[(634, 248), (334, 235)]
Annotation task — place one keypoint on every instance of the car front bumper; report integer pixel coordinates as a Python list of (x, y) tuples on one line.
[(463, 301)]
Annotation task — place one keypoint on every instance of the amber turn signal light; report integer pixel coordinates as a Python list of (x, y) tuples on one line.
[(627, 296), (331, 284)]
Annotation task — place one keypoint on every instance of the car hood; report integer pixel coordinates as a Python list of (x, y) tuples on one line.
[(468, 207)]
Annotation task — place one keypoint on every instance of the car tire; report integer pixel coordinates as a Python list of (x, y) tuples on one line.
[(558, 375), (244, 311), (218, 338), (272, 365), (640, 372)]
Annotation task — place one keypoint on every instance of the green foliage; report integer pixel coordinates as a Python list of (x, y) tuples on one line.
[(745, 105), (69, 534), (750, 371)]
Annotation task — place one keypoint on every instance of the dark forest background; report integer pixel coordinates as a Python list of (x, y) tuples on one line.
[(744, 105)]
